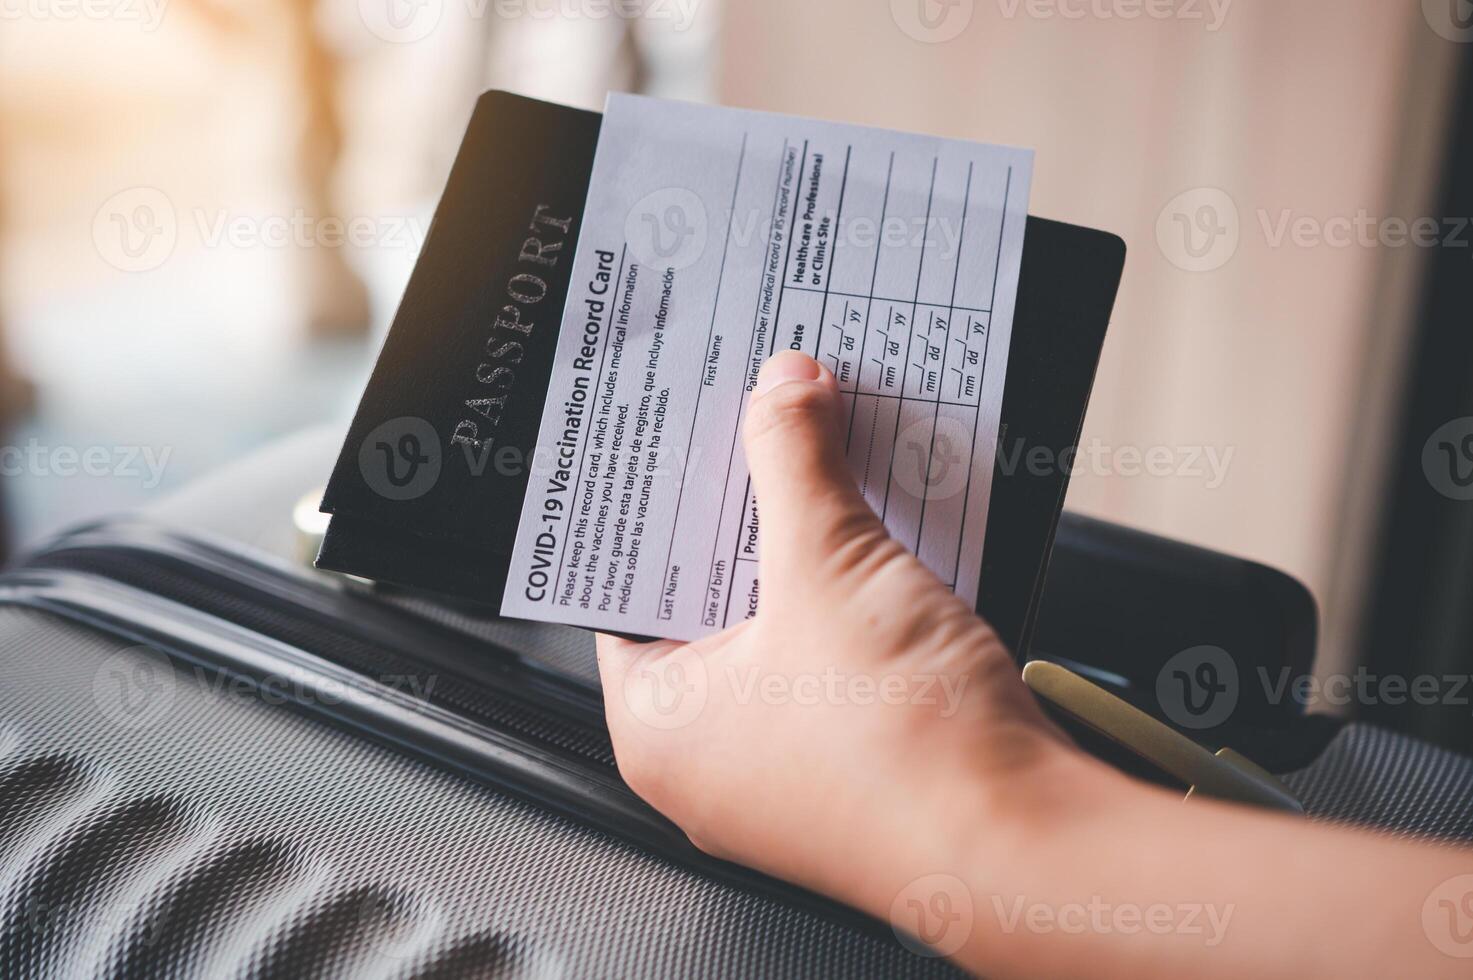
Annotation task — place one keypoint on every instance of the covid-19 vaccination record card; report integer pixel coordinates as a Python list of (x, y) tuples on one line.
[(713, 238)]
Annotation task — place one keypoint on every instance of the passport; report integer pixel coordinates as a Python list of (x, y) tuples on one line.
[(430, 485), (427, 490)]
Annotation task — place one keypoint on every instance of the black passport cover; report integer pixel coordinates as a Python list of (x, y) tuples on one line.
[(522, 170), (429, 485)]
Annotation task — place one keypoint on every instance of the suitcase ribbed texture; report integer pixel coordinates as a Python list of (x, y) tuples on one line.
[(155, 823)]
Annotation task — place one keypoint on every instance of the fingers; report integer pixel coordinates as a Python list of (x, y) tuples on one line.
[(808, 505)]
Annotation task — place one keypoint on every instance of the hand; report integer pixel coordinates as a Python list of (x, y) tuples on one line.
[(863, 699), (866, 734)]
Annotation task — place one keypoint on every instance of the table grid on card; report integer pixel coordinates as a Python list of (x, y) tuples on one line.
[(910, 365), (911, 369)]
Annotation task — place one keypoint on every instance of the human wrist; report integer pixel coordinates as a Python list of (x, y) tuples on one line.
[(1044, 786), (980, 830)]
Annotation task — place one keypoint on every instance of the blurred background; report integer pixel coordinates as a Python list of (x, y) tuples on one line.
[(208, 209)]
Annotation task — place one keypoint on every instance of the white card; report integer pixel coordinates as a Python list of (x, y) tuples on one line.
[(712, 238)]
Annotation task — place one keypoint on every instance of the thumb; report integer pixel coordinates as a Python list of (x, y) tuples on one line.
[(809, 508)]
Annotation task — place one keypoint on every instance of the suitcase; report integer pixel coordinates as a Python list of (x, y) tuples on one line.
[(216, 761)]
